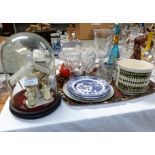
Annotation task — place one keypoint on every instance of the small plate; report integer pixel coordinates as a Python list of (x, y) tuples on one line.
[(67, 93), (88, 87)]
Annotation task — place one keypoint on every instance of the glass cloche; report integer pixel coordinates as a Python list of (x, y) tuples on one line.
[(29, 59)]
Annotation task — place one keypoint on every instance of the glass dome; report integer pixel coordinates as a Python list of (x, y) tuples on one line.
[(29, 59)]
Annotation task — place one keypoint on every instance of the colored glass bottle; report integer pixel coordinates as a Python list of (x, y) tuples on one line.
[(114, 55)]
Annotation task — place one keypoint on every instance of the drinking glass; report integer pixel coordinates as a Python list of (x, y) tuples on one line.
[(103, 39), (71, 58), (133, 33), (88, 59)]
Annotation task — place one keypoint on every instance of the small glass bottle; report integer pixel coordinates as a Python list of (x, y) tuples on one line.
[(114, 55)]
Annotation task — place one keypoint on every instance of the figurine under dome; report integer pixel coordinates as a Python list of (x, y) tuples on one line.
[(30, 60)]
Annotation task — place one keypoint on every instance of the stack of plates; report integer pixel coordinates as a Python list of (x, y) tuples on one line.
[(88, 89)]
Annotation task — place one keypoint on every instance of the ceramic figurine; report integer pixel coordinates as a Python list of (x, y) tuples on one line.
[(139, 42), (36, 82), (31, 96), (43, 85), (46, 92)]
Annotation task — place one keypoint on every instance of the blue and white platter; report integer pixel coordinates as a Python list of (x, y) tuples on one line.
[(88, 87)]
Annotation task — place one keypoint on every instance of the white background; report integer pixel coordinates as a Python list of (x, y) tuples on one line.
[(77, 11)]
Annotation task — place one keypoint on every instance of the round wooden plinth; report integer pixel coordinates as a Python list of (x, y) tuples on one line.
[(34, 113)]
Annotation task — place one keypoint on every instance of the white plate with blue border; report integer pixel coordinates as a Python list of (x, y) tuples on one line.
[(67, 93), (88, 87)]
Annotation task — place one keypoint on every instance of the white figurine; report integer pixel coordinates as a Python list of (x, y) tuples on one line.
[(46, 92), (31, 97)]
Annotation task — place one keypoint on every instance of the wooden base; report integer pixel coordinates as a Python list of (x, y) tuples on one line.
[(37, 113)]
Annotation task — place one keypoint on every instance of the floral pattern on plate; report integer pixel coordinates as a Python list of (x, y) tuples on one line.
[(88, 87)]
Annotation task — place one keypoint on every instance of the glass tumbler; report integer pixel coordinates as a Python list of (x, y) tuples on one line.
[(103, 39), (71, 59), (88, 59)]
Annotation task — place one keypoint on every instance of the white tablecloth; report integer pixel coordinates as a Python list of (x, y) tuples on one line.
[(133, 115)]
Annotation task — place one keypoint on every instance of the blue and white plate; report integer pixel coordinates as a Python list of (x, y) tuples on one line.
[(90, 98), (110, 94), (88, 87)]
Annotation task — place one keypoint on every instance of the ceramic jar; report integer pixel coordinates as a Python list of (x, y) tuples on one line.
[(133, 76)]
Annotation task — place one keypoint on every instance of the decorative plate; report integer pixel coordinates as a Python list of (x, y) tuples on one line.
[(67, 93), (88, 87), (90, 97)]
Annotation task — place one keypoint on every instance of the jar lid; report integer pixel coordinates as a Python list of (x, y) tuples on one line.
[(134, 65)]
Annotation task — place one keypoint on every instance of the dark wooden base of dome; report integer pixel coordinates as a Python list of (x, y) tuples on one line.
[(37, 113)]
